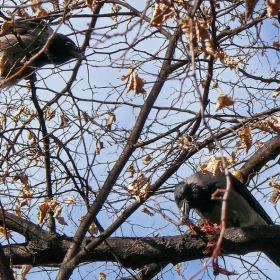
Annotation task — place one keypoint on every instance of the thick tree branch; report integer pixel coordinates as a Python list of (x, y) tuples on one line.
[(163, 249)]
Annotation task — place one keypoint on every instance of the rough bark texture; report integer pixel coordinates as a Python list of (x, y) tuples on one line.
[(138, 252)]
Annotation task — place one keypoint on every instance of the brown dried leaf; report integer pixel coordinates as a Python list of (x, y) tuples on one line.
[(211, 146), (263, 125), (178, 268), (245, 136), (140, 187), (239, 175), (70, 199), (85, 116), (102, 276), (146, 211), (64, 122), (91, 3), (274, 123), (3, 121), (115, 8), (22, 13), (206, 42), (99, 147), (276, 44), (24, 270), (41, 12), (131, 169), (226, 59), (277, 92), (57, 211), (272, 8), (184, 143), (147, 159), (110, 120), (213, 165), (163, 11), (5, 232), (62, 221), (93, 229), (250, 6), (136, 84), (276, 191), (43, 210), (49, 113), (224, 101), (215, 83)]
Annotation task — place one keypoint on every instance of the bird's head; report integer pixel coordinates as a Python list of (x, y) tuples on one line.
[(192, 196), (60, 50)]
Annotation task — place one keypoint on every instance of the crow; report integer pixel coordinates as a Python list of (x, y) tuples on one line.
[(242, 210)]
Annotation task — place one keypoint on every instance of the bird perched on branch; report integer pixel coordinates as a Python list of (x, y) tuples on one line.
[(242, 209), (21, 40)]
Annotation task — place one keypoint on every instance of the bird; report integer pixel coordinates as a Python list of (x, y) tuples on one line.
[(21, 40), (242, 209)]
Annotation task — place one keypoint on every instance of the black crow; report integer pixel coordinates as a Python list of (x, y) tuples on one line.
[(242, 208)]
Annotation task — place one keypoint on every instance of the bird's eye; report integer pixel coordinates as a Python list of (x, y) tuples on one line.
[(70, 43)]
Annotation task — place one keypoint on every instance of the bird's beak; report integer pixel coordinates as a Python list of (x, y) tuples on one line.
[(184, 212), (77, 53)]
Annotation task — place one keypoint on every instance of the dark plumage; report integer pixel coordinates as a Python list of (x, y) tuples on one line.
[(22, 39), (242, 208)]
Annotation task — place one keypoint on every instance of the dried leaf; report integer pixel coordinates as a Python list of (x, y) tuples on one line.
[(277, 92), (24, 270), (35, 5), (214, 164), (135, 82), (41, 12), (110, 120), (272, 8), (274, 123), (162, 12), (64, 122), (239, 175), (226, 59), (211, 146), (184, 143), (179, 268), (91, 3), (85, 116), (57, 211), (99, 147), (43, 210), (115, 8), (101, 276), (3, 121), (263, 125), (147, 159), (146, 211), (215, 83), (131, 169), (62, 221), (245, 136), (5, 232), (70, 200), (49, 113), (224, 101), (250, 6), (206, 42), (140, 187), (276, 191), (93, 229)]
